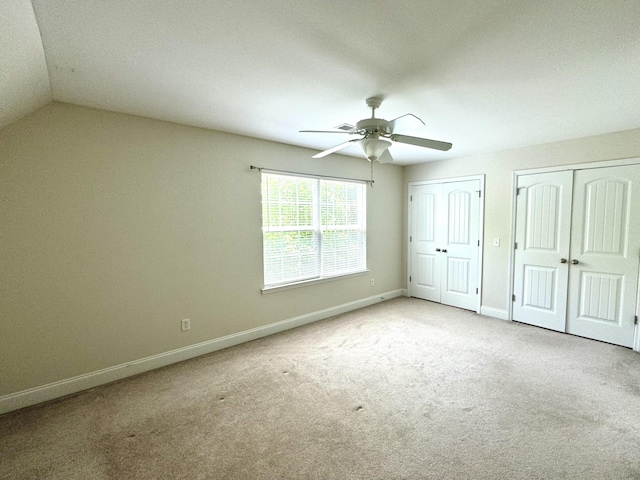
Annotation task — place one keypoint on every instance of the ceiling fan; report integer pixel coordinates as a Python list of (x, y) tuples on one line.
[(377, 132)]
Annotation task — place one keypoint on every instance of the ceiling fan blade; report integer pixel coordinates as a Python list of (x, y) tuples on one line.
[(422, 142), (385, 157), (405, 122), (335, 149)]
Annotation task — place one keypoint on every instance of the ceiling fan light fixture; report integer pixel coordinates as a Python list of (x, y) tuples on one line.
[(374, 147)]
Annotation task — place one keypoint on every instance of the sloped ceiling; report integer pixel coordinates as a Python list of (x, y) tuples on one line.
[(486, 75), (24, 80)]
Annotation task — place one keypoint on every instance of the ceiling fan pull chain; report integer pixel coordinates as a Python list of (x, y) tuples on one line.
[(371, 183)]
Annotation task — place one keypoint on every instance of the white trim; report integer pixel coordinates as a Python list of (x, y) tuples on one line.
[(581, 166), (447, 180), (512, 250), (636, 334), (494, 312), (481, 179), (314, 281), (481, 246), (32, 396)]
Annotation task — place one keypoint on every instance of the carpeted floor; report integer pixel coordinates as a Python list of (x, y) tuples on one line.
[(405, 389)]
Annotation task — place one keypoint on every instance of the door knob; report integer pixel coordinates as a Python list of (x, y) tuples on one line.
[(563, 260), (574, 262)]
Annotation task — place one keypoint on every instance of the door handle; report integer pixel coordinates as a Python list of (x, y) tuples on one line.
[(574, 262), (444, 250), (563, 260), (438, 250)]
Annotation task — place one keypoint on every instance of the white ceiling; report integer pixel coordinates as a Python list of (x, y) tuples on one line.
[(486, 75)]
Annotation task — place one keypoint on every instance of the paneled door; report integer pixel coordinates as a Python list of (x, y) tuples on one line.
[(577, 252), (425, 239), (605, 250), (444, 242), (543, 223)]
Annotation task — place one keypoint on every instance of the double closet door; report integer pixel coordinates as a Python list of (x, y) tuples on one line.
[(444, 242), (577, 252)]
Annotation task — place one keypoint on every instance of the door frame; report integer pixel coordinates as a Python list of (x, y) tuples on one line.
[(480, 225), (514, 193)]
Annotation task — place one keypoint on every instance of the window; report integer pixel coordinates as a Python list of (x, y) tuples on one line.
[(312, 228)]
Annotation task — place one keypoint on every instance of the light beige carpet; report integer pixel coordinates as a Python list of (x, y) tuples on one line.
[(405, 389)]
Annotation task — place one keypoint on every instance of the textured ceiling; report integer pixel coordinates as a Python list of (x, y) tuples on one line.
[(486, 75)]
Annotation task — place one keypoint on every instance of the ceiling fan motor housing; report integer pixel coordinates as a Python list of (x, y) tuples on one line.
[(373, 125)]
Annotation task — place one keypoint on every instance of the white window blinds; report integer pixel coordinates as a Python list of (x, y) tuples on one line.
[(312, 228)]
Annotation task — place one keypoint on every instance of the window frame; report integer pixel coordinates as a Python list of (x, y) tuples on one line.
[(355, 221)]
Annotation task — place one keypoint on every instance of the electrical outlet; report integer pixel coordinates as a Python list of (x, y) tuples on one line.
[(185, 324), (372, 282)]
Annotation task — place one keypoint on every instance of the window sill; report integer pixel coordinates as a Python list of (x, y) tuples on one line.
[(315, 281)]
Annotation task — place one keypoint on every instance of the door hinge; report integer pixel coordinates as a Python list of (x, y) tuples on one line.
[(635, 320), (476, 290), (411, 198), (479, 193), (409, 278), (515, 245), (513, 298), (518, 190), (478, 242), (410, 239)]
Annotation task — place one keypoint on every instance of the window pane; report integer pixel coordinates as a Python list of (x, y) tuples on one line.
[(289, 256), (287, 201), (342, 251), (344, 234)]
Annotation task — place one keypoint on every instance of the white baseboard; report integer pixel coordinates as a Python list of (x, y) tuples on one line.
[(494, 312), (33, 396)]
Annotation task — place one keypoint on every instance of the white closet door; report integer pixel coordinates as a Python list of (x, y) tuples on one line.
[(606, 246), (578, 252), (444, 250), (461, 205), (426, 233), (543, 225)]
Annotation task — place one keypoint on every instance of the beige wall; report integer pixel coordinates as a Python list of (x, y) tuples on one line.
[(115, 227), (24, 78), (498, 168)]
